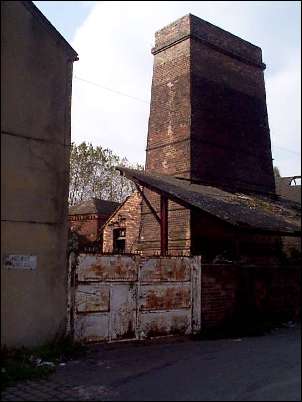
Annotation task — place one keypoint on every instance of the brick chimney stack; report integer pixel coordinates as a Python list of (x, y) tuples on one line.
[(208, 116)]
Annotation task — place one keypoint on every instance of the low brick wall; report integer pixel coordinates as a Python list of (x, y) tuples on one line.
[(235, 294)]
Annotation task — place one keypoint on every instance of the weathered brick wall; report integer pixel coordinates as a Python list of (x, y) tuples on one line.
[(208, 119), (291, 246), (219, 284), (286, 187), (128, 217), (87, 227), (179, 241), (212, 237), (168, 149), (168, 144), (231, 294), (230, 139)]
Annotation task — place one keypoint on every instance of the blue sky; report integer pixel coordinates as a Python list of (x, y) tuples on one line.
[(114, 39), (66, 16)]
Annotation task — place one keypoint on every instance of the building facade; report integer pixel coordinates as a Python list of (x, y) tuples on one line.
[(208, 125), (86, 220), (121, 231), (288, 187), (208, 185), (36, 78)]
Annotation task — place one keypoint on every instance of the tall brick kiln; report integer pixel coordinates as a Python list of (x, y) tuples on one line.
[(208, 131), (208, 117)]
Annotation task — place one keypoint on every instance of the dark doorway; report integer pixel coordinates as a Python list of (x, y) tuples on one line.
[(119, 241)]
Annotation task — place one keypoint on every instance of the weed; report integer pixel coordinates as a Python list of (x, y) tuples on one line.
[(25, 364)]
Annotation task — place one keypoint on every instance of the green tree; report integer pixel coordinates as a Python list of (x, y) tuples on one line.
[(93, 174)]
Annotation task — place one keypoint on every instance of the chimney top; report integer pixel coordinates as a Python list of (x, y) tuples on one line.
[(191, 26)]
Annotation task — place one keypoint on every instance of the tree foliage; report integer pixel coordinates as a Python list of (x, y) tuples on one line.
[(93, 174)]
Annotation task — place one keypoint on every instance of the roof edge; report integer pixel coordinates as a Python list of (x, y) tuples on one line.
[(34, 10)]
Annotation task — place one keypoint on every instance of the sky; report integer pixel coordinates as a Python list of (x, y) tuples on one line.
[(112, 79)]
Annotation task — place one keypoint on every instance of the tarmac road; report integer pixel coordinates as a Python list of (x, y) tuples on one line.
[(264, 368)]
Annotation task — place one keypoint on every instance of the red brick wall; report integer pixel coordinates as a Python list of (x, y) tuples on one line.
[(230, 293), (230, 138), (179, 241), (208, 119), (87, 226), (127, 216), (168, 144)]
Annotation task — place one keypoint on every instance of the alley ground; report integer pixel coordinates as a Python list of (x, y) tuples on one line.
[(239, 369)]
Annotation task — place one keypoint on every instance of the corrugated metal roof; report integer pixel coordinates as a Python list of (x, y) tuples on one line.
[(94, 206), (249, 211)]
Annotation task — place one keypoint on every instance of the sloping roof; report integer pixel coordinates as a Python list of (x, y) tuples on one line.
[(286, 189), (51, 29), (94, 206), (255, 212)]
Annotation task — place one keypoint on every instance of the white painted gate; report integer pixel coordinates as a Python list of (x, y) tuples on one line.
[(122, 297)]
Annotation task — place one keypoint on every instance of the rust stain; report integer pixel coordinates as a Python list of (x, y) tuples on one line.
[(92, 299), (177, 326), (167, 298), (129, 333), (163, 303), (116, 268), (166, 269)]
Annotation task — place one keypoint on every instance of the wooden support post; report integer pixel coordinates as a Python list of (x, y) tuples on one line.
[(148, 203), (163, 225)]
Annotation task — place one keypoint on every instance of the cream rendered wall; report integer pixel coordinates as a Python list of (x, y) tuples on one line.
[(36, 73)]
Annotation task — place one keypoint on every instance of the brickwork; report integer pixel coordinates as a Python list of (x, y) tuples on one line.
[(126, 217), (291, 246), (219, 286), (208, 121), (88, 229), (179, 238), (233, 292), (229, 129), (287, 188), (168, 146)]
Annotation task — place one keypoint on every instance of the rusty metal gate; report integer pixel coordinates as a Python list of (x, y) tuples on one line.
[(122, 297)]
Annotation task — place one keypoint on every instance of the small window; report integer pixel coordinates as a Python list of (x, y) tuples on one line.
[(119, 241)]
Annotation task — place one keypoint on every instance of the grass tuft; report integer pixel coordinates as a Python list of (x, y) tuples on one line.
[(26, 364)]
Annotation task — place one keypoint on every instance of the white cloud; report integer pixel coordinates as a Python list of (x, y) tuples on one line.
[(114, 45), (284, 110)]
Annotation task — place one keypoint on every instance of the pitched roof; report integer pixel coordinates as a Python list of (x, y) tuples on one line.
[(249, 211), (30, 6), (94, 206), (286, 189)]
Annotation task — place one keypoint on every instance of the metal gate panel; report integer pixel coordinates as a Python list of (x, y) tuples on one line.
[(92, 327), (159, 323), (165, 296), (123, 301), (92, 297), (119, 297), (93, 268), (167, 269)]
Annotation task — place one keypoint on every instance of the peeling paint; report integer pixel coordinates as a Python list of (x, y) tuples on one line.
[(166, 269), (132, 297), (92, 297), (107, 268), (166, 323), (165, 297)]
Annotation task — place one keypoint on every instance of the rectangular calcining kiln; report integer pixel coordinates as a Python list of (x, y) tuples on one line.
[(208, 121)]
